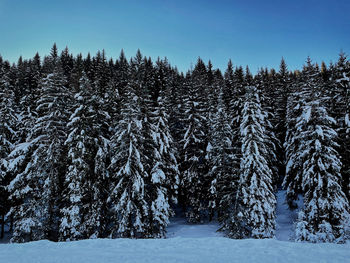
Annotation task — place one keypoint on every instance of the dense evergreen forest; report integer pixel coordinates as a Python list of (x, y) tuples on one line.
[(91, 147)]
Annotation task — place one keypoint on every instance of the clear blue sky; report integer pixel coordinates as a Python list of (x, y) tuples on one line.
[(250, 32)]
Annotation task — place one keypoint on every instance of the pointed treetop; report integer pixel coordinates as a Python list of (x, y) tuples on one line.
[(248, 75), (54, 51), (323, 67), (283, 68), (138, 56), (20, 61), (65, 52), (342, 59), (122, 58), (230, 64)]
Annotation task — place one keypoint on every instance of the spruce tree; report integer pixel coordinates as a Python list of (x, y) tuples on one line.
[(78, 219), (255, 203), (265, 83), (36, 187), (224, 178), (325, 214), (128, 207), (8, 127), (293, 180), (236, 105), (193, 154), (162, 185), (339, 89), (161, 134)]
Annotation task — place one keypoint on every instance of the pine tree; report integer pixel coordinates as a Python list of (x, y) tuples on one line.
[(339, 88), (162, 184), (164, 174), (193, 152), (293, 179), (163, 138), (30, 94), (224, 178), (236, 105), (36, 187), (122, 75), (78, 219), (66, 62), (8, 125), (103, 93), (128, 207), (282, 92), (325, 214), (229, 85), (265, 83), (256, 202)]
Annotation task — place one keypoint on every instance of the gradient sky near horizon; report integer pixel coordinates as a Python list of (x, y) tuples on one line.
[(251, 32)]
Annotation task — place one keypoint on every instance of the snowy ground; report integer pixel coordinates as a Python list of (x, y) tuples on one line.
[(185, 243), (177, 249), (179, 228), (284, 218)]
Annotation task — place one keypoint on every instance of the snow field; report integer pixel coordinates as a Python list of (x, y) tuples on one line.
[(177, 249), (185, 243)]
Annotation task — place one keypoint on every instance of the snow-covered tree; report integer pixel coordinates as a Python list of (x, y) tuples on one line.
[(77, 221), (164, 176), (325, 214), (128, 207), (297, 99), (224, 177), (163, 138), (8, 126), (35, 189), (266, 86), (339, 89), (193, 154), (30, 89), (8, 120), (234, 112), (255, 203)]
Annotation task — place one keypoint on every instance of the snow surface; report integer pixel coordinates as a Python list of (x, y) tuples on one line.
[(185, 243), (285, 218), (179, 228), (177, 249)]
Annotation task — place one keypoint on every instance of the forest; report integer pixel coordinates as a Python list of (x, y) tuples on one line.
[(92, 147)]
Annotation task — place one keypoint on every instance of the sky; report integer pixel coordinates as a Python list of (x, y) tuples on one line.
[(249, 32)]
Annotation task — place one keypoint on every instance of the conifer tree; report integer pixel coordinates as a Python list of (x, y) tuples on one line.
[(281, 95), (193, 154), (162, 184), (255, 203), (8, 126), (224, 178), (229, 86), (162, 136), (296, 101), (78, 219), (128, 207), (325, 214), (235, 115), (339, 89), (265, 83), (36, 187)]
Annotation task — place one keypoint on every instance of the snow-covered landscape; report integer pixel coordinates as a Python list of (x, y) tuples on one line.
[(177, 249), (184, 243), (228, 140)]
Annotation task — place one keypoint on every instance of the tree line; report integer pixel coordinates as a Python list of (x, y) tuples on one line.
[(93, 147)]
